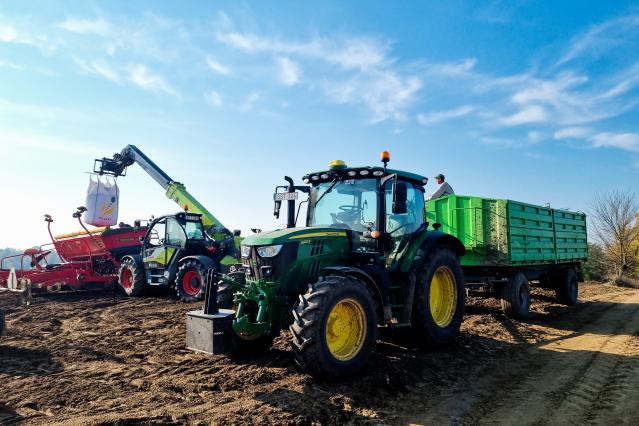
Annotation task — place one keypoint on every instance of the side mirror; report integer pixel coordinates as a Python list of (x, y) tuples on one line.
[(137, 224), (237, 232), (400, 197), (141, 239), (278, 206)]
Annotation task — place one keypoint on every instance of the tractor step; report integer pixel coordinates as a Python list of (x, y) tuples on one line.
[(209, 333)]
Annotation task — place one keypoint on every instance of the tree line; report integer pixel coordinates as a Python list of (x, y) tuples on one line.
[(614, 250)]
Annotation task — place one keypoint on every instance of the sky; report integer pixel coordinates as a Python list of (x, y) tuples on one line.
[(531, 101)]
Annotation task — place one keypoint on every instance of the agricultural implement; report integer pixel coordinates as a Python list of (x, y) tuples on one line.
[(88, 259), (178, 248), (364, 259)]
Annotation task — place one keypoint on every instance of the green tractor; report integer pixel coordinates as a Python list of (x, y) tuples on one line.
[(175, 252), (365, 260)]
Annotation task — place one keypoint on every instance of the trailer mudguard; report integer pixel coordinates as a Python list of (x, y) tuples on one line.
[(426, 241)]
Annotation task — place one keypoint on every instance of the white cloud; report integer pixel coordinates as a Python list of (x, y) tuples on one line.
[(99, 68), (213, 98), (148, 80), (527, 115), (86, 26), (535, 136), (217, 67), (439, 116), (8, 33), (384, 93), (350, 53), (10, 65), (451, 69), (250, 101), (500, 142), (289, 71), (573, 133), (625, 141)]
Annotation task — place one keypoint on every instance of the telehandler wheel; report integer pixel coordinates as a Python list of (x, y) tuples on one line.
[(440, 296), (189, 281), (131, 278), (515, 297), (567, 287), (334, 327)]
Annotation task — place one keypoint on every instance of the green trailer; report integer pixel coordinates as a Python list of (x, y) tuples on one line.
[(511, 245)]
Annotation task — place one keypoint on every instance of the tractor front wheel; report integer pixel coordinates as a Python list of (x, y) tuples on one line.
[(439, 304), (131, 278), (189, 282), (334, 327)]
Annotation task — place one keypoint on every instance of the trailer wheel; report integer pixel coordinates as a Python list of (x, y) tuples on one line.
[(567, 288), (131, 278), (189, 281), (515, 296), (439, 303), (334, 327)]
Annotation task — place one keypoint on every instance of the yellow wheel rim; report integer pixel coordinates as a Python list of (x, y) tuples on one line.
[(443, 296), (345, 329)]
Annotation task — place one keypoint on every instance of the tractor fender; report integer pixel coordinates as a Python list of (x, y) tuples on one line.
[(136, 258), (360, 275), (428, 240)]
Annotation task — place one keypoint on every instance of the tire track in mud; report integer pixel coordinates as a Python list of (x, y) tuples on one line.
[(588, 376)]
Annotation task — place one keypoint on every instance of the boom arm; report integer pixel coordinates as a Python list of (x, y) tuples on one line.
[(175, 191)]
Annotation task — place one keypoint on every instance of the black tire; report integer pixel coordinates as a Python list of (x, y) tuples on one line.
[(225, 292), (2, 322), (515, 297), (189, 281), (567, 288), (441, 326), (310, 341), (131, 278)]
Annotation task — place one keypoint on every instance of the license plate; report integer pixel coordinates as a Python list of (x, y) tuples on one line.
[(285, 196)]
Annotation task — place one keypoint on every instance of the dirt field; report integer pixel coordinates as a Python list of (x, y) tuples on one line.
[(97, 358)]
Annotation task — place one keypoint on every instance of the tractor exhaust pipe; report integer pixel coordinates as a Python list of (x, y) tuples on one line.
[(290, 222)]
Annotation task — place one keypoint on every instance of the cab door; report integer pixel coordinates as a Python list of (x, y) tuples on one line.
[(155, 250), (401, 227), (175, 240)]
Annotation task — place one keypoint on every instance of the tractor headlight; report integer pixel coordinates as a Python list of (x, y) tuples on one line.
[(269, 251), (246, 251)]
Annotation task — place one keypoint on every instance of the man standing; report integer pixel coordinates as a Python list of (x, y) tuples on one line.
[(443, 189)]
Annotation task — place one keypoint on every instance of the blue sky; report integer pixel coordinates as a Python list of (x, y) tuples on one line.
[(533, 101)]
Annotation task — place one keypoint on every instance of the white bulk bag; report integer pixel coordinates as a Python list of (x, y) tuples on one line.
[(102, 203)]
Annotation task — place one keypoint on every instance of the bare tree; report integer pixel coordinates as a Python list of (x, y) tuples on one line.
[(615, 221)]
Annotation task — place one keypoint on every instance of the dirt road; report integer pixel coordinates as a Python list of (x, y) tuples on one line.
[(96, 358)]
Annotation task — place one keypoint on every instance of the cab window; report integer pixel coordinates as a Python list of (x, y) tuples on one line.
[(175, 235), (157, 234), (398, 225)]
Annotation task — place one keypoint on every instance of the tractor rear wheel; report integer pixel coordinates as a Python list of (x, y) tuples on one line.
[(515, 296), (334, 327), (131, 278), (567, 287), (439, 303), (189, 281)]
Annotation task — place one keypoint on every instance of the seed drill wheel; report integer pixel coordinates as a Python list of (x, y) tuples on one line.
[(439, 301), (131, 278), (567, 287), (189, 282), (334, 328), (515, 297)]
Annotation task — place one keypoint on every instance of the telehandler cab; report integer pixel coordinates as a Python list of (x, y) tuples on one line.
[(365, 259)]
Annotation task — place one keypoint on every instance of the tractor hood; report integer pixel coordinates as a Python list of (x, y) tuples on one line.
[(286, 235)]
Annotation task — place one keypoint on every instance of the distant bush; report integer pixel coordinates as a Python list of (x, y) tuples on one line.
[(596, 268)]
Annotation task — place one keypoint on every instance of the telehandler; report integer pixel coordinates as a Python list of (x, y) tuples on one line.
[(365, 259)]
